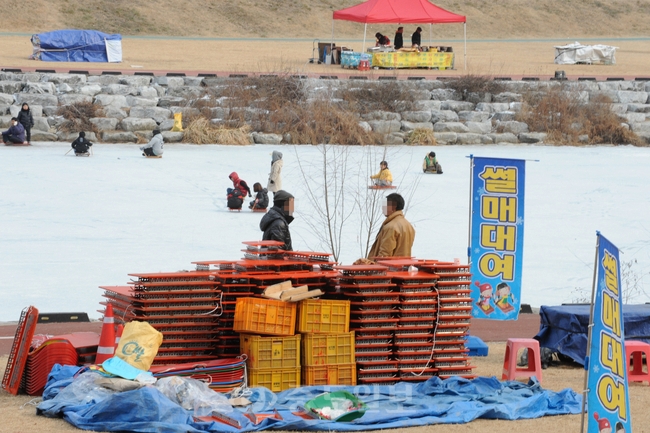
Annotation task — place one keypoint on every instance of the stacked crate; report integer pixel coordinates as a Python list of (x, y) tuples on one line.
[(233, 286), (267, 339), (414, 336), (183, 306), (373, 318), (454, 313), (328, 348)]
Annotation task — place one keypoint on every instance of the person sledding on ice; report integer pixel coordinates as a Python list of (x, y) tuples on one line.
[(431, 164), (81, 145), (237, 193), (155, 146), (261, 201), (383, 179)]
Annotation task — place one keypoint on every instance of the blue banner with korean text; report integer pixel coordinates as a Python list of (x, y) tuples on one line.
[(608, 403), (496, 236)]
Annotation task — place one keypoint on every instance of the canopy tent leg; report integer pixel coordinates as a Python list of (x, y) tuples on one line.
[(365, 29), (430, 34), (465, 49), (332, 44)]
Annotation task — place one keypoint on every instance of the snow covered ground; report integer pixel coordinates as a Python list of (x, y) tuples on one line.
[(69, 225)]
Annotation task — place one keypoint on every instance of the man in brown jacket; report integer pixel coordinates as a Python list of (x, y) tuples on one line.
[(396, 235)]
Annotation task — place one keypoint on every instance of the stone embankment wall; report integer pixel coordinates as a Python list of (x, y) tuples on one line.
[(134, 105)]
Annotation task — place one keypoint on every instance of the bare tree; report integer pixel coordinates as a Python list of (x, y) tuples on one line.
[(326, 189)]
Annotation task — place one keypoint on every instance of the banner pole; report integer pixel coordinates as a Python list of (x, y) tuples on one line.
[(585, 391), (469, 229)]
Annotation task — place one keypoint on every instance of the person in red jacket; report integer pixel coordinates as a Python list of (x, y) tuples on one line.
[(239, 184)]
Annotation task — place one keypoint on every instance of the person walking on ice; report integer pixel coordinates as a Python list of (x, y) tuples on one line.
[(155, 145), (275, 179)]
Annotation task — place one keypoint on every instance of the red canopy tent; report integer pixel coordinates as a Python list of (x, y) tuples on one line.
[(399, 11)]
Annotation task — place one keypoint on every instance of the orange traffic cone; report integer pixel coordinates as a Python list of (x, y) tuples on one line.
[(118, 334), (106, 348)]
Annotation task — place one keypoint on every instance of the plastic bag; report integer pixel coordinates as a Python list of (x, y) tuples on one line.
[(85, 389), (178, 122), (139, 344), (192, 394)]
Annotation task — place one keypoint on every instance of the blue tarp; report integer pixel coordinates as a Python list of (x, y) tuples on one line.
[(452, 401), (73, 45), (564, 328)]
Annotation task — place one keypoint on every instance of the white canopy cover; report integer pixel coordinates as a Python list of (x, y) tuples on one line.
[(587, 54)]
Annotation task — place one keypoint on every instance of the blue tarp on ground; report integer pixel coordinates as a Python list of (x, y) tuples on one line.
[(74, 45), (564, 328), (452, 401)]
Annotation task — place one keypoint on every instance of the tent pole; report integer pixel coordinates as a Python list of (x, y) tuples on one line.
[(332, 56), (430, 34), (365, 29), (465, 39)]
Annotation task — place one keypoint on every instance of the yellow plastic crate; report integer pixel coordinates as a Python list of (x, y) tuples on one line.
[(323, 316), (323, 349), (264, 316), (335, 374), (270, 352), (275, 379)]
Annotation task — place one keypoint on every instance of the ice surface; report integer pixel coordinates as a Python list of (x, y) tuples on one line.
[(69, 225)]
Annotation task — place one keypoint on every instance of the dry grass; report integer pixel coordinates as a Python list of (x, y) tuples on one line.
[(277, 104), (367, 97), (568, 120), (201, 131), (77, 117), (472, 87), (421, 137), (313, 19), (322, 122)]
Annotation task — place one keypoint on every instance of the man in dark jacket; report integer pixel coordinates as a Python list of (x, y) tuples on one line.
[(398, 42), (275, 223), (15, 134), (81, 145), (416, 38)]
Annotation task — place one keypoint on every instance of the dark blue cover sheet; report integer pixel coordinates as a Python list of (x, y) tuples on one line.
[(452, 401), (74, 45), (564, 328)]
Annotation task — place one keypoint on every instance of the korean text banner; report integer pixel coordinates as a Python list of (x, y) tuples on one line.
[(608, 404), (497, 236)]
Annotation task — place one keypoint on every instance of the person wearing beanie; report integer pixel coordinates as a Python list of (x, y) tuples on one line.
[(431, 164), (396, 235), (15, 134), (275, 179), (155, 145), (275, 223), (81, 145)]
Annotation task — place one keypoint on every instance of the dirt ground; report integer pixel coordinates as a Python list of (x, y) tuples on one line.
[(19, 416), (491, 58)]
